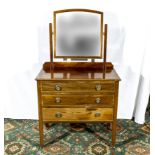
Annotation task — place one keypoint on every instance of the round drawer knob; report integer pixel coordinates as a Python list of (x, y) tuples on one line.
[(58, 100), (57, 87), (98, 100), (98, 87), (98, 114), (58, 115)]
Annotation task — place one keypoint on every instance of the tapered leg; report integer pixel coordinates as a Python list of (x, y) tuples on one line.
[(114, 133), (114, 123), (41, 133), (40, 114)]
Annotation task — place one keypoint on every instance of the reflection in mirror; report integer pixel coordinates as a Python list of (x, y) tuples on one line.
[(78, 34)]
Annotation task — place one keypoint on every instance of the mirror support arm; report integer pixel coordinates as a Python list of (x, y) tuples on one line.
[(105, 46), (51, 41)]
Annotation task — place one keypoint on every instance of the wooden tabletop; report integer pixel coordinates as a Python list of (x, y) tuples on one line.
[(77, 75)]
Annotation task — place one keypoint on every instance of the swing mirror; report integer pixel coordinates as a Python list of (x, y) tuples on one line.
[(78, 33)]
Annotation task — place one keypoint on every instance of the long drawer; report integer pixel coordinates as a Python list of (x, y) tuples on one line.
[(77, 86), (59, 100), (77, 114)]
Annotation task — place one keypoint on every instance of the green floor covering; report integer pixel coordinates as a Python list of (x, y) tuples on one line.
[(22, 138)]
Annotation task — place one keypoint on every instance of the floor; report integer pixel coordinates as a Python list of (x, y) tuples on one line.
[(22, 138)]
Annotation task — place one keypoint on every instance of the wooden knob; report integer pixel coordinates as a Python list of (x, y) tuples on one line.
[(58, 115), (98, 87), (57, 87), (58, 100), (98, 114), (98, 100)]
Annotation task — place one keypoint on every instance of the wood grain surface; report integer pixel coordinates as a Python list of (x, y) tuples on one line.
[(78, 114)]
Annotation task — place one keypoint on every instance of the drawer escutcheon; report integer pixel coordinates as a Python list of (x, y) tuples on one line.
[(98, 114), (58, 115), (98, 87), (98, 100), (57, 87), (58, 100)]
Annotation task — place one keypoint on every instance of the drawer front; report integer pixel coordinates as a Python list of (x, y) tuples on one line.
[(78, 86), (59, 100), (77, 114)]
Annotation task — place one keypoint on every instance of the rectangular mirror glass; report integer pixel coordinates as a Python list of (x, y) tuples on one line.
[(78, 34)]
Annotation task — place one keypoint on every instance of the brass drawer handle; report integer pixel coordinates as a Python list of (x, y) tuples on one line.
[(98, 114), (98, 87), (98, 100), (57, 87), (58, 100), (58, 115)]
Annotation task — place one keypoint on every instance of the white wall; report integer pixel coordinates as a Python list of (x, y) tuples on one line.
[(26, 48)]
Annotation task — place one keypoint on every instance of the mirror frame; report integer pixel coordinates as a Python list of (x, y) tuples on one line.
[(80, 10)]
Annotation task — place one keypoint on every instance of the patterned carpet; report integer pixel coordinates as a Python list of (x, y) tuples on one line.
[(22, 138)]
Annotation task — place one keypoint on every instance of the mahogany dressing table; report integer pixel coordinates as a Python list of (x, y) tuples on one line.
[(77, 92)]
